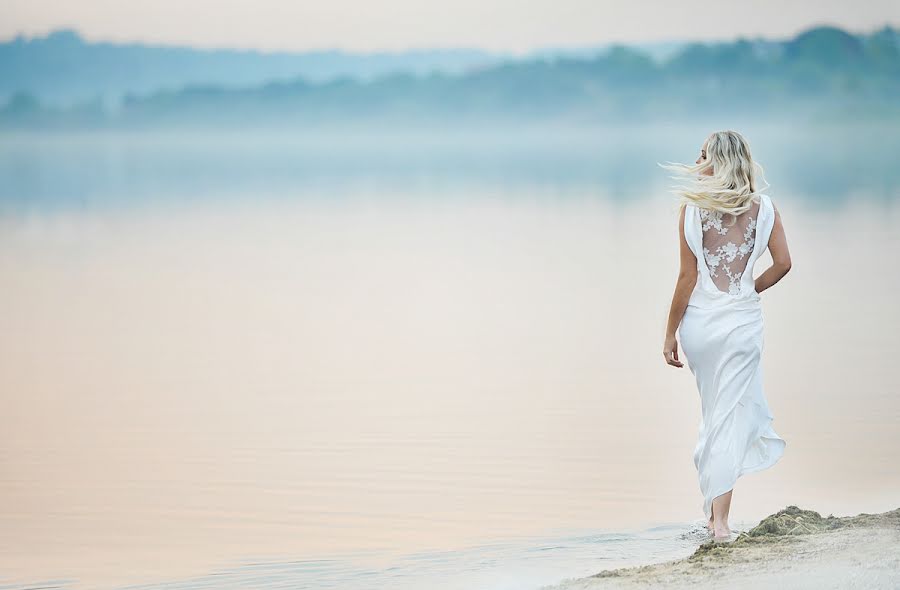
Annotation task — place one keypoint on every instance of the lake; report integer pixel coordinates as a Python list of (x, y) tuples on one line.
[(279, 360)]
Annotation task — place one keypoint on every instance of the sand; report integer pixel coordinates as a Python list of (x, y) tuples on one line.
[(792, 548)]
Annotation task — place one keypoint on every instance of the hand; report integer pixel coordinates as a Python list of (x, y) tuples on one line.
[(670, 352)]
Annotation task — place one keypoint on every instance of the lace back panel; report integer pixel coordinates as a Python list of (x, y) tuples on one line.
[(727, 245)]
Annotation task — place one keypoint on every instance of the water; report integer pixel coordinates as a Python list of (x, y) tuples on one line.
[(511, 564), (265, 361)]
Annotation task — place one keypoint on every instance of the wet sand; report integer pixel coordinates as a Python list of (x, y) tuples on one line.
[(793, 548)]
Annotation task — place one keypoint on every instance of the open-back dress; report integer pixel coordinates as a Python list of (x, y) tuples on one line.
[(722, 337)]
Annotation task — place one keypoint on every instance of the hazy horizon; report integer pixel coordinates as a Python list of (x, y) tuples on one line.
[(587, 46), (276, 25)]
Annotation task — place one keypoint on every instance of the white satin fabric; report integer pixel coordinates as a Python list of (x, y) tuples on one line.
[(722, 337)]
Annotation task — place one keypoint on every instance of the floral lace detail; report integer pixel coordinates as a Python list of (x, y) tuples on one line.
[(712, 219), (722, 256)]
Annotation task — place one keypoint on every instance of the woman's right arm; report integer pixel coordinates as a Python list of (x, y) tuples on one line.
[(781, 256)]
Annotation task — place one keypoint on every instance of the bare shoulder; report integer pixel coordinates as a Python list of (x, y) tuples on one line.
[(777, 215)]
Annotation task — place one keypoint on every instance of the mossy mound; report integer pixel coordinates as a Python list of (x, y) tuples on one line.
[(787, 524), (795, 521)]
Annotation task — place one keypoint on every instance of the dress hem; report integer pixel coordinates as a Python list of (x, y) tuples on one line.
[(780, 446)]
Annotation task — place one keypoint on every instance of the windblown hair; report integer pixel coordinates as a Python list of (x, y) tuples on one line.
[(734, 183)]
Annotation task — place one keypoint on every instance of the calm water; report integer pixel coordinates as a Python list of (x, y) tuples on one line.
[(270, 362)]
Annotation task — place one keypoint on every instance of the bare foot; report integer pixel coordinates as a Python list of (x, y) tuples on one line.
[(710, 525), (722, 532)]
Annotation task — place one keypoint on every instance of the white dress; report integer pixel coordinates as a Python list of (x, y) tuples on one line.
[(722, 338)]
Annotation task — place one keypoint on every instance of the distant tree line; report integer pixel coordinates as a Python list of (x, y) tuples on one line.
[(824, 70)]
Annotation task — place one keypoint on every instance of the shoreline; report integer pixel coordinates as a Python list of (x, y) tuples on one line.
[(793, 547)]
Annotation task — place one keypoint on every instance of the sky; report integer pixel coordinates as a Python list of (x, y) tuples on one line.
[(516, 26)]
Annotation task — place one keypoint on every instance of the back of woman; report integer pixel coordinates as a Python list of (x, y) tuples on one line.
[(725, 226)]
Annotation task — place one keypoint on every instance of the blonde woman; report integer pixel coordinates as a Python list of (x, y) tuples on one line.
[(725, 224)]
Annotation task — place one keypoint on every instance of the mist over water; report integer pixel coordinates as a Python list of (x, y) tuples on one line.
[(411, 359), (828, 163)]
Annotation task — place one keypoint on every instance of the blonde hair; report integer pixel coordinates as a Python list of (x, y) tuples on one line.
[(734, 183)]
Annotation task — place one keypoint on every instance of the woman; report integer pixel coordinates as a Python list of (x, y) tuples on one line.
[(724, 226)]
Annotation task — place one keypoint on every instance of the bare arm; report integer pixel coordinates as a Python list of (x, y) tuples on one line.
[(781, 257), (687, 279)]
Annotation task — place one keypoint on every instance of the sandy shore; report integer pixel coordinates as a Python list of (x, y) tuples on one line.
[(792, 548)]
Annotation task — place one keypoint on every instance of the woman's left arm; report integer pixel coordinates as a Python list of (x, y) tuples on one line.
[(687, 279)]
